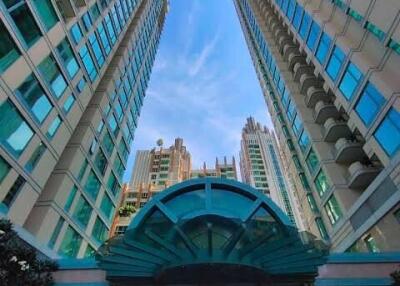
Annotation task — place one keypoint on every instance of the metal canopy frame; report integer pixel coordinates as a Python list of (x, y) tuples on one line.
[(214, 224)]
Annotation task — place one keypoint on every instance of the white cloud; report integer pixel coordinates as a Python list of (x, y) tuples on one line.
[(203, 56)]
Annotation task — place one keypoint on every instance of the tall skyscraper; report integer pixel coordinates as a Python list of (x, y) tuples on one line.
[(224, 169), (329, 74), (261, 167), (72, 82), (153, 171)]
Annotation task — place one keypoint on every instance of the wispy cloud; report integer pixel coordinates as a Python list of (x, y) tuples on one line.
[(203, 56)]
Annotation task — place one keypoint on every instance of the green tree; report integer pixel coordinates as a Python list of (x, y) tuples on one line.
[(19, 264)]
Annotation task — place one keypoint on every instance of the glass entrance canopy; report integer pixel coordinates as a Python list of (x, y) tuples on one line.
[(211, 229)]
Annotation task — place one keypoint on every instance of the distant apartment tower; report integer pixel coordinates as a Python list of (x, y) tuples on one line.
[(153, 171), (73, 76), (329, 73), (262, 168), (224, 169)]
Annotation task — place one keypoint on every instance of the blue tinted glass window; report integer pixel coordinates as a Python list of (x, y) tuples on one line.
[(103, 38), (69, 102), (34, 98), (54, 127), (15, 133), (323, 48), (76, 33), (313, 36), (297, 125), (110, 29), (107, 206), (82, 212), (369, 104), (290, 10), (291, 111), (92, 185), (388, 132), (350, 81), (96, 49), (66, 54), (51, 73), (305, 24), (335, 63), (88, 63), (297, 16), (304, 141), (87, 21), (115, 20)]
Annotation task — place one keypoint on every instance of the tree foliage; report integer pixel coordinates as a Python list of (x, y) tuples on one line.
[(19, 264)]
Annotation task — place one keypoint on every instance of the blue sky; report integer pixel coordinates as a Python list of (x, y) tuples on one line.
[(203, 85)]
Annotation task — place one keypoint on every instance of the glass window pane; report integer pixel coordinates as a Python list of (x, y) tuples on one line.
[(313, 36), (100, 231), (333, 210), (71, 243), (101, 161), (51, 73), (297, 16), (82, 211), (66, 54), (335, 63), (312, 161), (350, 81), (323, 48), (113, 185), (108, 143), (322, 184), (321, 228), (35, 157), (88, 63), (76, 33), (69, 102), (9, 52), (107, 206), (70, 199), (388, 133), (369, 104), (96, 49), (34, 98), (56, 232), (15, 133), (25, 23), (46, 11), (54, 127), (304, 141), (305, 24), (92, 185), (13, 192)]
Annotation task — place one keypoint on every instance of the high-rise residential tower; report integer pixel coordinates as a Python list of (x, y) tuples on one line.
[(224, 169), (153, 171), (73, 76), (328, 70), (261, 167)]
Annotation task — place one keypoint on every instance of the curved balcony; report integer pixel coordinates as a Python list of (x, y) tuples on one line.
[(284, 40), (334, 129), (313, 95), (361, 175), (300, 69), (295, 57), (288, 49), (323, 111), (308, 80), (348, 151)]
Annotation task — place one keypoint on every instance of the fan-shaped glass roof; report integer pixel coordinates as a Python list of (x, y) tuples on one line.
[(210, 227)]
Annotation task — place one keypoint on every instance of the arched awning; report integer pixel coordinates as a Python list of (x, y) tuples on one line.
[(211, 227)]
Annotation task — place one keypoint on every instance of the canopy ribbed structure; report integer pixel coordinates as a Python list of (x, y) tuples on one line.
[(214, 229)]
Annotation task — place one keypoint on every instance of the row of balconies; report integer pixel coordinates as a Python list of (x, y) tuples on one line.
[(346, 149)]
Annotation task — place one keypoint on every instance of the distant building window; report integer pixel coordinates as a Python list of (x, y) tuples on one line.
[(51, 73), (82, 212), (323, 48), (71, 243), (76, 33), (4, 169), (66, 54), (313, 36), (54, 127), (13, 192), (350, 81), (322, 184)]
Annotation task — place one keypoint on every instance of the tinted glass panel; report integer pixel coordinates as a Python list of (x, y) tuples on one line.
[(388, 132), (8, 50), (350, 81), (369, 104), (53, 76), (46, 11)]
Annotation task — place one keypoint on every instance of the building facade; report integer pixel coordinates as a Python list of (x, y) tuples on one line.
[(224, 169), (261, 167), (73, 76), (329, 77), (153, 171)]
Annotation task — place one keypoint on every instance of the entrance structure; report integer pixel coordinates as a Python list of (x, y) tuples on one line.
[(210, 231)]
